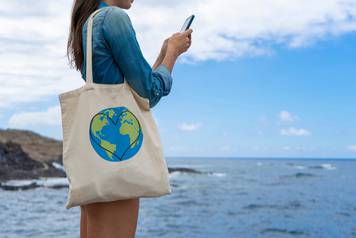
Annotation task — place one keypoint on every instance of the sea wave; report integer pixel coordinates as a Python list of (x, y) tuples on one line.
[(291, 205), (298, 175), (34, 183), (218, 174), (297, 166), (177, 173), (323, 166), (282, 231), (58, 166)]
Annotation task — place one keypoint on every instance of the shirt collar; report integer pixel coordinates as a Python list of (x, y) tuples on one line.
[(102, 4)]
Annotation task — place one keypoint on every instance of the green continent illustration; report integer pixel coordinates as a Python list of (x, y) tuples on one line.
[(115, 134)]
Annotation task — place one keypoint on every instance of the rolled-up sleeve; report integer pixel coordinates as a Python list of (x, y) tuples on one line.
[(121, 39)]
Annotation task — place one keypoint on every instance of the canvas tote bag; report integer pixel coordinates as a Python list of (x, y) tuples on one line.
[(111, 145)]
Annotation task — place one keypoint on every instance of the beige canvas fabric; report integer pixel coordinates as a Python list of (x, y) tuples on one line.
[(96, 169)]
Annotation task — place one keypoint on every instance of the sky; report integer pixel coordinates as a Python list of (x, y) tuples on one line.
[(262, 78)]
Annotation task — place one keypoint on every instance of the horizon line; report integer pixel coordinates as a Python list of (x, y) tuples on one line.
[(263, 158)]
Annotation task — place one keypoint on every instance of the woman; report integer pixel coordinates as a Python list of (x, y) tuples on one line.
[(117, 55)]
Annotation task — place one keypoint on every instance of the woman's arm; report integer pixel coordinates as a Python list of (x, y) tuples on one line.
[(170, 59), (172, 47), (166, 57), (161, 55), (121, 38)]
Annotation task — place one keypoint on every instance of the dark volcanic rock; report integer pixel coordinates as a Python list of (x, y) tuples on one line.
[(184, 170), (53, 183), (11, 155), (36, 146), (298, 175), (16, 163), (16, 188)]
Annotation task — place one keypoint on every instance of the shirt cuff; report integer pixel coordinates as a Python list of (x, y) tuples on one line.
[(167, 79)]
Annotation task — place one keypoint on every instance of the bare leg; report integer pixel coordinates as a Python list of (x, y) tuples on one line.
[(116, 219), (83, 222)]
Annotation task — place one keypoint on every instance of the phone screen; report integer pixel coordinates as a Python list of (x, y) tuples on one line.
[(187, 23)]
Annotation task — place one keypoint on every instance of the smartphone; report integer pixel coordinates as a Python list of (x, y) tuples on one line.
[(187, 23)]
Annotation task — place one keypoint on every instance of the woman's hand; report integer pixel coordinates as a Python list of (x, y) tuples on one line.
[(162, 54), (163, 51), (164, 47), (177, 44), (180, 42)]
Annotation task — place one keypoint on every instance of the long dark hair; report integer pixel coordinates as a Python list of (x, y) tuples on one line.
[(81, 11)]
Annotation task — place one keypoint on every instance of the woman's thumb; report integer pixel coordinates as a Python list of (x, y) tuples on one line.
[(189, 31)]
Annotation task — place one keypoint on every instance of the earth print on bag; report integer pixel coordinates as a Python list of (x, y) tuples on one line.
[(115, 134)]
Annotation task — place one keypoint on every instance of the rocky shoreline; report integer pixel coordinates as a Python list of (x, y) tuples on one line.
[(28, 155), (29, 160)]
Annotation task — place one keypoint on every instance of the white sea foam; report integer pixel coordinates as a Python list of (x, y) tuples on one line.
[(42, 182), (218, 174), (328, 166), (323, 166), (299, 166), (19, 183), (58, 166), (175, 174), (52, 182)]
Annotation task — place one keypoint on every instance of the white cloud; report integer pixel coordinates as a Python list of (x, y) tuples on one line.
[(226, 133), (295, 132), (50, 117), (352, 147), (286, 148), (233, 28), (33, 65), (189, 126), (285, 116)]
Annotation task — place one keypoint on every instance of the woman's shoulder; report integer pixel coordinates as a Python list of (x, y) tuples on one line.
[(116, 23), (117, 15), (110, 16), (114, 11)]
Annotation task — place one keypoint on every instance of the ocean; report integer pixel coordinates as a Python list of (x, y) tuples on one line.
[(235, 198)]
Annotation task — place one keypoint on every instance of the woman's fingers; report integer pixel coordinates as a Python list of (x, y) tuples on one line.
[(181, 41), (189, 40), (188, 32)]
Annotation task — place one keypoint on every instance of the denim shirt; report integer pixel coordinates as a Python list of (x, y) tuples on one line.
[(117, 54)]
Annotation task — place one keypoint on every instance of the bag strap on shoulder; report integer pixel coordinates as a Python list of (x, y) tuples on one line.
[(89, 50)]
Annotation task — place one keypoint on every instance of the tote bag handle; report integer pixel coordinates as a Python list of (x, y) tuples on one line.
[(89, 61), (142, 102)]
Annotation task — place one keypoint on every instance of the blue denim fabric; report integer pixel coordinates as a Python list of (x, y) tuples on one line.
[(117, 54)]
